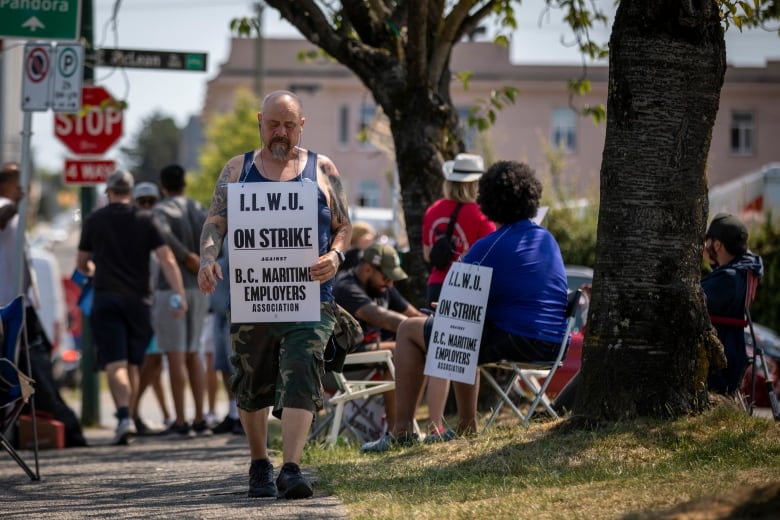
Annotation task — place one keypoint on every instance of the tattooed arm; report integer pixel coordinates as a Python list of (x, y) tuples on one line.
[(215, 227), (329, 181)]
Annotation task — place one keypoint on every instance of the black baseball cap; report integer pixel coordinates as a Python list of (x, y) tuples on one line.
[(729, 230)]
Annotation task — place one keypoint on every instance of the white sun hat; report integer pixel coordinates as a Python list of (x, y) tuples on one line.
[(465, 168)]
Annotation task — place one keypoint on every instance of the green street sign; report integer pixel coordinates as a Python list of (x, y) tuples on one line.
[(195, 61), (40, 19), (151, 59)]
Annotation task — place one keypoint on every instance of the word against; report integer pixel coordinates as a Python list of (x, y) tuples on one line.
[(273, 231), (453, 349)]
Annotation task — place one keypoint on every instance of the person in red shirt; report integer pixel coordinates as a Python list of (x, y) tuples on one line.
[(461, 184)]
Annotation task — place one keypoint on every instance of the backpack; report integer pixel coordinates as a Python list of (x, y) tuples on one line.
[(347, 336), (443, 250)]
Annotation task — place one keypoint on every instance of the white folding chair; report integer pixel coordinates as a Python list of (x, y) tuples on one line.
[(356, 391), (530, 374), (353, 389)]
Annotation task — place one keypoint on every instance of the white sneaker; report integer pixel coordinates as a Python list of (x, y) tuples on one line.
[(211, 419), (124, 430)]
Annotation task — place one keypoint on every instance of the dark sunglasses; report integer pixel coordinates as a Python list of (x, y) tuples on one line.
[(385, 278), (146, 201)]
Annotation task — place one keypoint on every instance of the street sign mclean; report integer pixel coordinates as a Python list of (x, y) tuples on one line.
[(40, 19), (146, 59)]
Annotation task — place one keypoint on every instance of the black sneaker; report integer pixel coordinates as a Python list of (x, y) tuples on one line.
[(201, 429), (178, 431), (226, 426), (238, 428), (291, 483), (261, 479), (143, 429)]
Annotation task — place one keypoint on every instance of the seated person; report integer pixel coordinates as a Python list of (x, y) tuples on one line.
[(367, 292), (525, 319), (725, 248)]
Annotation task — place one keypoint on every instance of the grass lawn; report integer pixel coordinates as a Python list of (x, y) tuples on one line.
[(540, 472)]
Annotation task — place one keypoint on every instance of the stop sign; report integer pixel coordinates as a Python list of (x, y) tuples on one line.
[(96, 129)]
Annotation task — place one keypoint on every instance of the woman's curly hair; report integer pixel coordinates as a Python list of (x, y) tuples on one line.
[(509, 191)]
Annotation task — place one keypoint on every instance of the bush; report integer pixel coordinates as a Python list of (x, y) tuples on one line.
[(764, 241), (575, 232)]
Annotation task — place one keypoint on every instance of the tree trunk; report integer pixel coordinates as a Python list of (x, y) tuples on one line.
[(420, 133), (649, 342)]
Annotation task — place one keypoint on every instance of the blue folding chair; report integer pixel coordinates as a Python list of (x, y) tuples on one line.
[(15, 385)]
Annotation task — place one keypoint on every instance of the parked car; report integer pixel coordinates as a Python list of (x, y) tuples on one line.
[(576, 277), (53, 313), (770, 345), (767, 338)]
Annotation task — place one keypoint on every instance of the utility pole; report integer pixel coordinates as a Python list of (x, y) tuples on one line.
[(259, 65), (90, 387)]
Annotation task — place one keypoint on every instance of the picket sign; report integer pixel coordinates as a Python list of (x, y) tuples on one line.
[(453, 349)]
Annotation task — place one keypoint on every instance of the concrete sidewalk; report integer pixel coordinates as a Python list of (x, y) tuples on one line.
[(154, 477)]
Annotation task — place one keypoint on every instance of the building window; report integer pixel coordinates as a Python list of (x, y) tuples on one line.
[(367, 113), (742, 130), (368, 194), (564, 129), (344, 125)]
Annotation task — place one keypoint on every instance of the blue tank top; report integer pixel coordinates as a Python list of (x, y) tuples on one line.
[(249, 173)]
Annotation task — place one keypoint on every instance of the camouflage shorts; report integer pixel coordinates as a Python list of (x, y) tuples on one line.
[(280, 364)]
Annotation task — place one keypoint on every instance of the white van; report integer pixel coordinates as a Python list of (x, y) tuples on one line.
[(50, 298)]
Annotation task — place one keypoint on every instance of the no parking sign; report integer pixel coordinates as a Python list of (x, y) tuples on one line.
[(36, 79)]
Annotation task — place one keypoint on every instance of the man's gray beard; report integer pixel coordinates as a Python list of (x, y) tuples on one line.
[(279, 150)]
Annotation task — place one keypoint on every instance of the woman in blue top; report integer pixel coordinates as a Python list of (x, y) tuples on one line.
[(525, 316), (279, 365)]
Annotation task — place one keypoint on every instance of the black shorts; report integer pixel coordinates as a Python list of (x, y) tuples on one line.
[(121, 327), (496, 345)]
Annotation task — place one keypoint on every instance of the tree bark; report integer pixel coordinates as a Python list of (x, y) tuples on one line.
[(649, 343)]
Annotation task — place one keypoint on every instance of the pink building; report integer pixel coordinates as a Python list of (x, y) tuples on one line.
[(338, 107)]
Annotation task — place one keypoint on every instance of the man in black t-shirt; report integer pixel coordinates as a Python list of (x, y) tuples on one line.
[(114, 250), (367, 292)]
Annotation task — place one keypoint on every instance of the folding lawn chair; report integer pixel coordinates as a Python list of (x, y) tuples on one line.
[(16, 385), (758, 352), (530, 373), (369, 384), (366, 376)]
